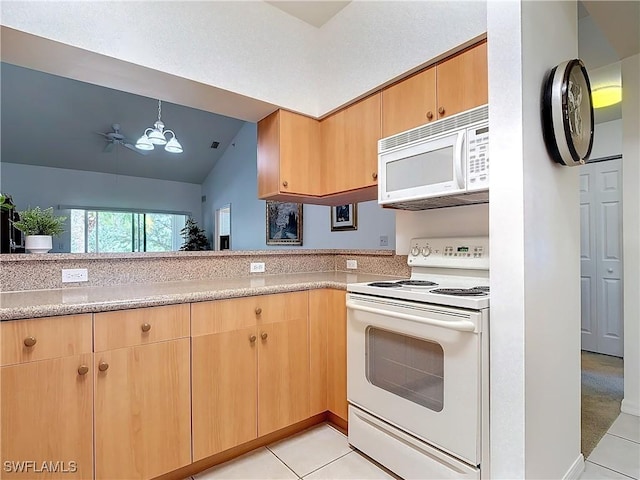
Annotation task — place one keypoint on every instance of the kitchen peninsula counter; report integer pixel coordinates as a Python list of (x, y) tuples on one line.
[(66, 301)]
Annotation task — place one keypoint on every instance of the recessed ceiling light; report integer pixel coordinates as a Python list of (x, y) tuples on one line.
[(606, 96)]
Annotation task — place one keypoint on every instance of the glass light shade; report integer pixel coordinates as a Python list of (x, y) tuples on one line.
[(156, 137), (173, 146), (143, 143), (606, 96)]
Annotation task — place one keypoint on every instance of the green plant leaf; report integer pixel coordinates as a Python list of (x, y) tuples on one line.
[(35, 221)]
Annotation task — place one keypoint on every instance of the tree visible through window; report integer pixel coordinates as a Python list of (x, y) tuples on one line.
[(100, 231)]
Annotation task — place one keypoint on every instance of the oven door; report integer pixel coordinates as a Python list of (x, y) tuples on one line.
[(417, 367), (428, 168)]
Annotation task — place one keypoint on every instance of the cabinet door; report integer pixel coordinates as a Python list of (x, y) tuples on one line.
[(46, 417), (336, 312), (333, 132), (362, 123), (142, 410), (409, 103), (288, 155), (224, 391), (318, 319), (283, 374), (462, 81)]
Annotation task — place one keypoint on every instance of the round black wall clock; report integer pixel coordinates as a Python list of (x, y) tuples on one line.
[(567, 113)]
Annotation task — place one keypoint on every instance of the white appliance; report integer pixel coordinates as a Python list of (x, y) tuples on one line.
[(442, 164), (417, 363)]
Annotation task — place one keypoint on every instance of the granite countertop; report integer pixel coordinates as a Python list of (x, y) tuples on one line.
[(67, 301)]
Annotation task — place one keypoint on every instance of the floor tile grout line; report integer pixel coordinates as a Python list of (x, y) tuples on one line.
[(283, 462), (610, 468), (620, 436), (326, 464)]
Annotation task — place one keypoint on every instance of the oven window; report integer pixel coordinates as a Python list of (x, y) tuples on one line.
[(406, 366)]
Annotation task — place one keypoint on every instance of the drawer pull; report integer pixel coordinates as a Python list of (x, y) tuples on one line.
[(429, 114), (441, 110), (258, 311), (30, 341), (103, 366), (146, 327), (83, 370), (374, 175), (264, 335), (252, 338)]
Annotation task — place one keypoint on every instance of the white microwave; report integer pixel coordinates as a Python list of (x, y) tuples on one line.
[(442, 164)]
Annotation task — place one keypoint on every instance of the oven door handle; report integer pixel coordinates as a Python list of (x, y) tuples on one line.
[(459, 325)]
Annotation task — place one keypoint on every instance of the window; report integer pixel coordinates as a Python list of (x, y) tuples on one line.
[(99, 231)]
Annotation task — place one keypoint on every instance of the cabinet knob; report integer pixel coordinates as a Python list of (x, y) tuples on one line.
[(441, 110), (264, 335), (30, 341), (252, 338), (258, 310), (83, 370), (429, 114), (285, 184), (103, 366), (374, 175), (145, 327)]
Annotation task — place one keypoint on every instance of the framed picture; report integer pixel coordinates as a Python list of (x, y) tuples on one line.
[(344, 217), (284, 223)]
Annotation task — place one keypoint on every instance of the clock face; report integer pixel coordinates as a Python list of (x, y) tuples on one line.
[(567, 114)]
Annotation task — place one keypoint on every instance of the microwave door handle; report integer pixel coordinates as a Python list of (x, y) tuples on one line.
[(459, 165)]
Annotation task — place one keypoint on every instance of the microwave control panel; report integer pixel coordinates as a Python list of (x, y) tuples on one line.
[(478, 157)]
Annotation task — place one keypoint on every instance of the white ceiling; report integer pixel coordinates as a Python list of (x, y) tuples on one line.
[(313, 13)]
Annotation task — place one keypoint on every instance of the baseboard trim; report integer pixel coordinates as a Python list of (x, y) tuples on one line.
[(576, 469), (630, 407)]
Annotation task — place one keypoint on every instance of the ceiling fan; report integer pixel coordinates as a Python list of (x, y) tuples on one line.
[(117, 138)]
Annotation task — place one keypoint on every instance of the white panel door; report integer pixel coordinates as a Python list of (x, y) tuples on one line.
[(601, 257)]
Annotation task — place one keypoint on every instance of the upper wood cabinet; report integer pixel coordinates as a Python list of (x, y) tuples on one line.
[(288, 156), (452, 86), (350, 147)]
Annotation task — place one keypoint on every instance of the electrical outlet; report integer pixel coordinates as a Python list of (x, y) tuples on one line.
[(384, 241), (74, 275), (257, 267), (352, 264)]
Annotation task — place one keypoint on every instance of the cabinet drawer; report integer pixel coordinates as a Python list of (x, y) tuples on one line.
[(126, 328), (236, 313), (43, 338)]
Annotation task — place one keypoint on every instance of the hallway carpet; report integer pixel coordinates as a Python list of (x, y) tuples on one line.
[(602, 392)]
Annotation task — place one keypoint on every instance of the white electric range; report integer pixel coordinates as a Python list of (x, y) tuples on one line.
[(417, 362)]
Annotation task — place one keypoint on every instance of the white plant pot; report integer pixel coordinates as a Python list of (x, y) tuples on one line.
[(38, 243)]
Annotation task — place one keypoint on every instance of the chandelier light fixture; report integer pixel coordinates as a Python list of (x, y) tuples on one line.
[(157, 136)]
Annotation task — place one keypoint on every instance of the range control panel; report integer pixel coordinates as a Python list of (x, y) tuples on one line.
[(450, 252)]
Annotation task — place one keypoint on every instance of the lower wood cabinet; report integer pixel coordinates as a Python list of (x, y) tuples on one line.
[(250, 367), (142, 410), (47, 416)]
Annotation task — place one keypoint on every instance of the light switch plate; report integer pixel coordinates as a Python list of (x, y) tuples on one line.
[(352, 264), (74, 275)]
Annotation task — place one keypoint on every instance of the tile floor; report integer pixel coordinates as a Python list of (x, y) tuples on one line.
[(323, 453), (315, 454), (617, 455)]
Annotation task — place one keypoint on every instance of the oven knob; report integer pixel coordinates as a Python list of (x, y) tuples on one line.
[(415, 251), (426, 251)]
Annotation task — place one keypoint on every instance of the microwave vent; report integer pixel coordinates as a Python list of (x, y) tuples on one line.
[(448, 124), (471, 198)]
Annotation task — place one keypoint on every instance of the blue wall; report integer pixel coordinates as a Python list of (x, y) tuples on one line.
[(234, 180)]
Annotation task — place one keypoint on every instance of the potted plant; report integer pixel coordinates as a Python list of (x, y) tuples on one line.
[(38, 227)]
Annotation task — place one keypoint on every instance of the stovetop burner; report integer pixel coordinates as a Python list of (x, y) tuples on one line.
[(416, 283), (459, 292), (384, 284)]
